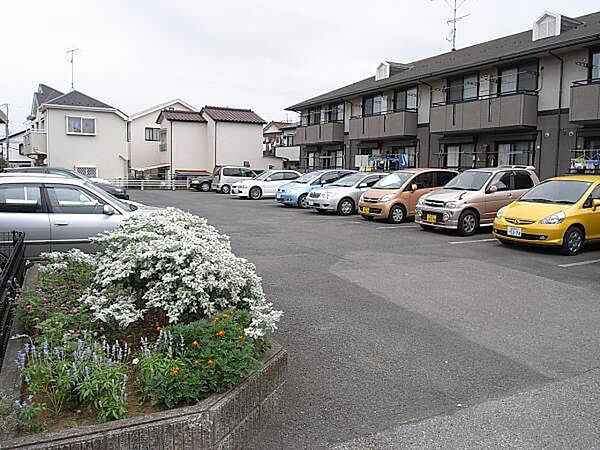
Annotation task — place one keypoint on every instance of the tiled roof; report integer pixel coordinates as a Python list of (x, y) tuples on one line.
[(504, 48), (223, 114), (46, 93), (3, 118), (180, 116), (76, 98)]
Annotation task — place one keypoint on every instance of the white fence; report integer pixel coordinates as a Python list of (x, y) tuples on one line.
[(151, 184)]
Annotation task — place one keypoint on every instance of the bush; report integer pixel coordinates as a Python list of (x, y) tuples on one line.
[(172, 262)]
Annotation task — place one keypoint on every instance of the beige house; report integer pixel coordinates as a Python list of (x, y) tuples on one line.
[(78, 132)]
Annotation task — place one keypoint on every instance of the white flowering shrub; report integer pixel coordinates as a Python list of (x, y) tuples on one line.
[(56, 261), (173, 262)]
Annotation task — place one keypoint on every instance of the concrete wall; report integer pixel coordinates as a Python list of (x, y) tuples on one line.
[(102, 150)]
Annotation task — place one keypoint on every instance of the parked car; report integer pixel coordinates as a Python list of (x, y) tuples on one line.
[(561, 211), (264, 185), (201, 183), (395, 196), (224, 177), (296, 192), (473, 198), (117, 191), (68, 211), (342, 195)]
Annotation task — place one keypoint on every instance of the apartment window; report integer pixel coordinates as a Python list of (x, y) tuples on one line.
[(372, 105), (458, 156), (162, 147), (314, 116), (462, 88), (88, 171), (595, 65), (407, 157), (513, 153), (521, 78), (406, 99), (21, 149), (335, 113), (152, 134), (310, 160), (81, 125), (290, 140)]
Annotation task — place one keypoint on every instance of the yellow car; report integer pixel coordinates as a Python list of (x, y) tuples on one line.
[(561, 211)]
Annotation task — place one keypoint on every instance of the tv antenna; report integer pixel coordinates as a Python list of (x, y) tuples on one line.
[(454, 5), (72, 52)]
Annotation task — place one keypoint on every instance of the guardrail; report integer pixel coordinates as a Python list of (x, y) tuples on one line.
[(151, 184), (12, 266)]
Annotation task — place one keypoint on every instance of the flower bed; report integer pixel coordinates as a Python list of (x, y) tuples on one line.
[(163, 315)]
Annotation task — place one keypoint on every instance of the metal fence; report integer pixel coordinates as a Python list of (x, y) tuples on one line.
[(151, 184), (12, 272)]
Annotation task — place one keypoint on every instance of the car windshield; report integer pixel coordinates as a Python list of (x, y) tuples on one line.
[(264, 175), (565, 192), (349, 180), (121, 204), (393, 180), (307, 177), (471, 180)]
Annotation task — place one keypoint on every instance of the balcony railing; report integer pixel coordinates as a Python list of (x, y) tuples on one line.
[(510, 111), (322, 133), (384, 125), (585, 101), (585, 161)]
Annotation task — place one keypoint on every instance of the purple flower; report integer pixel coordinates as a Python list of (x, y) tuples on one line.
[(20, 360)]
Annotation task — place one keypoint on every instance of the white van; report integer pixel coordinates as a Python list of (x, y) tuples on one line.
[(226, 176)]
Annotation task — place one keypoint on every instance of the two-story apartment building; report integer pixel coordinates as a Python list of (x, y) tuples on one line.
[(530, 98), (77, 132), (279, 141)]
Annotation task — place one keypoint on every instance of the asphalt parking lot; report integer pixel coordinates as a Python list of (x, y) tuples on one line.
[(399, 337)]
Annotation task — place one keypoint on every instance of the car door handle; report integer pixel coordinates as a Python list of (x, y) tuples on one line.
[(61, 224)]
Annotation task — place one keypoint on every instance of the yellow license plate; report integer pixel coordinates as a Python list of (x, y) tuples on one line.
[(431, 218), (365, 210)]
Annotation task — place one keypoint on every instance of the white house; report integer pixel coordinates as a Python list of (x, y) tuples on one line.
[(77, 132), (279, 139), (15, 156)]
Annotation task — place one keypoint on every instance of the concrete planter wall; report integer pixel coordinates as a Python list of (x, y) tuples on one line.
[(218, 422)]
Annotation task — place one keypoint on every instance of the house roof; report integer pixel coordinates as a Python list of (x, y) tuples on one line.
[(76, 98), (46, 93), (12, 135), (238, 115), (3, 118), (180, 116), (160, 107), (497, 50)]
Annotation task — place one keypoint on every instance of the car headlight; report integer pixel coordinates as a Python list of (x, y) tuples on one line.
[(386, 198), (554, 219), (500, 212), (421, 201), (362, 197), (451, 204)]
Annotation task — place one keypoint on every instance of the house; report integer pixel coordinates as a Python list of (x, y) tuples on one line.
[(143, 137), (15, 156), (279, 142), (75, 131), (531, 98)]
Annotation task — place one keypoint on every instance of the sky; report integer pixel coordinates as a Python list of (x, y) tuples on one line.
[(260, 54)]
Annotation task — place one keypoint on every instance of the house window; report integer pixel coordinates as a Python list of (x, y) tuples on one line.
[(88, 171), (458, 156), (521, 78), (152, 134), (595, 65), (162, 147), (314, 116), (335, 113), (462, 88), (372, 105), (512, 153), (21, 149), (81, 125), (406, 99)]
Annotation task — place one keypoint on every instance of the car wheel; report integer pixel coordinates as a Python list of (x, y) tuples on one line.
[(302, 201), (346, 207), (225, 189), (468, 223), (572, 241), (205, 187), (255, 193), (397, 214)]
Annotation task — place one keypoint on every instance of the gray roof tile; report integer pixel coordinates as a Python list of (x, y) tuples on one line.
[(180, 116), (223, 114), (76, 98)]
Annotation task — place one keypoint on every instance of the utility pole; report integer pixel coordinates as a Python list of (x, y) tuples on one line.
[(72, 51)]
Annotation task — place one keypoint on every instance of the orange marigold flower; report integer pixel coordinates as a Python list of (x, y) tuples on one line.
[(220, 333), (195, 344), (196, 362), (175, 371), (158, 328), (210, 362)]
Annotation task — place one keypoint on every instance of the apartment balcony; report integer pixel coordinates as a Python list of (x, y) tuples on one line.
[(387, 125), (585, 101), (324, 133), (34, 143), (505, 112)]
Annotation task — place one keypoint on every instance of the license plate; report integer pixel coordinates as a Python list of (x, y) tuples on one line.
[(514, 231), (311, 203), (431, 218), (365, 210)]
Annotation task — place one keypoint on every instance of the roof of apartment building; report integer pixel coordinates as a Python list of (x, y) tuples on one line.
[(238, 115), (497, 50), (175, 115)]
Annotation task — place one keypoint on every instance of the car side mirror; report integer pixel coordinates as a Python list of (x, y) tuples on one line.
[(493, 188), (363, 185), (414, 187), (595, 204), (108, 210)]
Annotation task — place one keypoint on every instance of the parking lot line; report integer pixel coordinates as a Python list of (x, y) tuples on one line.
[(396, 226), (580, 263), (471, 241)]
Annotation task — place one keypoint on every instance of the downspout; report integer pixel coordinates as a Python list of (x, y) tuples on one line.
[(215, 144), (171, 152), (560, 88)]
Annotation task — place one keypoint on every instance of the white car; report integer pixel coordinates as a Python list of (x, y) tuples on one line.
[(264, 185)]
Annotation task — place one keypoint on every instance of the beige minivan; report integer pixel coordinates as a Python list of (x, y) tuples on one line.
[(395, 196), (473, 198)]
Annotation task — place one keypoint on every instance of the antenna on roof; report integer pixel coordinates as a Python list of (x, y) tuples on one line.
[(72, 51), (454, 6)]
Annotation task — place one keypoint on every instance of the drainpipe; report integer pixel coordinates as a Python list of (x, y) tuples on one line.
[(215, 144), (562, 63), (171, 155)]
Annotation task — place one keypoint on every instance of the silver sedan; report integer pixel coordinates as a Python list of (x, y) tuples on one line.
[(57, 213), (342, 196)]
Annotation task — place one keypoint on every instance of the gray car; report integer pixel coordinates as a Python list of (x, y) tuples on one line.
[(57, 213), (342, 196)]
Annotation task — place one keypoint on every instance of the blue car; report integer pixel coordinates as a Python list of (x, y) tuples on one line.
[(295, 193)]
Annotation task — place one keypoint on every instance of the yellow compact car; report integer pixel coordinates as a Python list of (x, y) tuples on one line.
[(561, 211)]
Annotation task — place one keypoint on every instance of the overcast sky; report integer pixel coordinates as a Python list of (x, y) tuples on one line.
[(259, 54)]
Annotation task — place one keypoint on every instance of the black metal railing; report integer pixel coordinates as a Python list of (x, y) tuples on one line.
[(12, 266), (490, 96), (585, 82)]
